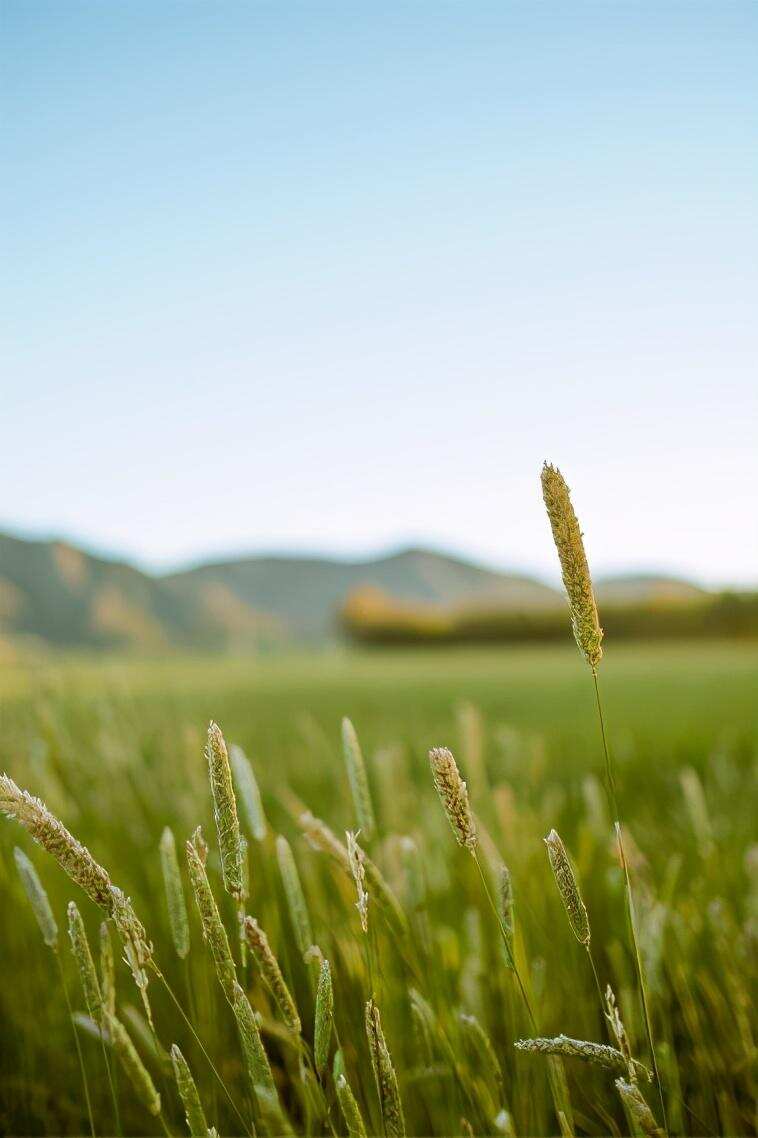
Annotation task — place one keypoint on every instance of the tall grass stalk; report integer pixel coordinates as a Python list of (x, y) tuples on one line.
[(588, 634)]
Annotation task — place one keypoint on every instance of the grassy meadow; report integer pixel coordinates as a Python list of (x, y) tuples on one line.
[(115, 748)]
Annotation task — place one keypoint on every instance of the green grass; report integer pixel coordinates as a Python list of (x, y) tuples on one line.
[(116, 749)]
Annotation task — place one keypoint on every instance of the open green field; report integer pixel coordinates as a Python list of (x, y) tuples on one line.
[(115, 748)]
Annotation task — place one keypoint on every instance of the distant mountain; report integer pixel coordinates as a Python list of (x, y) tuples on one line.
[(59, 594), (643, 588)]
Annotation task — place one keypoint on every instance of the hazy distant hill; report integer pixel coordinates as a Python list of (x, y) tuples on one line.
[(62, 595)]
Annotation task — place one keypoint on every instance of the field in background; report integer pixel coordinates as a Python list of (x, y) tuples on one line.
[(116, 748)]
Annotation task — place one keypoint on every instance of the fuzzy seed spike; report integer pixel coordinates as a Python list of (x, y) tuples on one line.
[(293, 891), (271, 972), (453, 795), (133, 1066), (384, 1074), (249, 792), (322, 1032), (214, 932), (358, 779), (225, 811), (93, 996), (172, 883), (193, 1108), (568, 888), (574, 568), (37, 898)]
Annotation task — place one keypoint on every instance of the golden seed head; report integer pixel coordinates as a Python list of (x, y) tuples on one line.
[(631, 1096), (568, 888), (574, 568), (454, 796)]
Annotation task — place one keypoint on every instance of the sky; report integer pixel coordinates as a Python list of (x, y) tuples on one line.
[(339, 277)]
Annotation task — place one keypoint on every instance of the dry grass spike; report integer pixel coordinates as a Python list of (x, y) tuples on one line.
[(568, 888), (454, 796)]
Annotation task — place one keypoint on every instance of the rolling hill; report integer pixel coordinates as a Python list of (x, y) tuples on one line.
[(58, 594)]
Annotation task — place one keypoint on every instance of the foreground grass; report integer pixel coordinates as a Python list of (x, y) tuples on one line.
[(116, 750)]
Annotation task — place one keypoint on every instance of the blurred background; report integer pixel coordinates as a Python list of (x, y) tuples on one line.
[(301, 296)]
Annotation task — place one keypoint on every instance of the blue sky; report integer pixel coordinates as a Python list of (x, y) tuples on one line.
[(338, 277)]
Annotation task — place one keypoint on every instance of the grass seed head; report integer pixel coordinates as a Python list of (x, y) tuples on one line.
[(93, 996), (172, 883), (37, 897), (256, 1060), (293, 892), (135, 1069), (351, 1112), (358, 779), (271, 972), (357, 869), (188, 1093), (574, 568), (73, 858), (107, 969), (384, 1073), (214, 932), (249, 792), (454, 796), (568, 888), (637, 1108), (599, 1054), (225, 811), (322, 1032)]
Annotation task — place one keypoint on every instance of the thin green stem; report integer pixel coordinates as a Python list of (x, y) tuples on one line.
[(611, 790), (200, 1044), (76, 1041), (504, 935)]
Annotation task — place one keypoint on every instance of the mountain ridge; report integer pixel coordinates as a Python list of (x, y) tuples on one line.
[(55, 592)]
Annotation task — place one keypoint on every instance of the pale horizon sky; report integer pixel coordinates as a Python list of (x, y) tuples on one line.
[(334, 278)]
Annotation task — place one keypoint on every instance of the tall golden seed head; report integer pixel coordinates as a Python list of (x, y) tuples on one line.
[(568, 887), (172, 884), (37, 897), (384, 1073), (453, 795), (358, 779), (356, 856), (193, 1108), (225, 811), (574, 568), (271, 972)]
